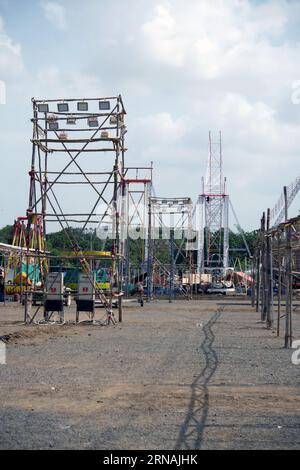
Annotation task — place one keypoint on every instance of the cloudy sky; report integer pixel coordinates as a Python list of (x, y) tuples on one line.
[(183, 67)]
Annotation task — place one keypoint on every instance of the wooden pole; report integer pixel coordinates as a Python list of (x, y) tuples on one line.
[(288, 291), (4, 279), (279, 282), (263, 269), (258, 266), (257, 277), (253, 275), (269, 276), (285, 203)]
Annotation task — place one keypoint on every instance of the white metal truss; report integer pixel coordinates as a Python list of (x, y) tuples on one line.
[(172, 213), (279, 208), (137, 194), (212, 215), (171, 219), (135, 217)]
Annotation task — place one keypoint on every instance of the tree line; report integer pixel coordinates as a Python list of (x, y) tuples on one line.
[(61, 241)]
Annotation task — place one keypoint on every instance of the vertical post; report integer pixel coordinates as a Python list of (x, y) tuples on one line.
[(253, 276), (190, 274), (190, 252), (257, 276), (118, 245), (127, 245), (127, 266), (263, 266), (245, 271), (226, 235), (117, 254), (26, 307), (279, 282), (201, 232), (285, 203), (150, 253), (5, 265), (271, 281), (288, 293), (171, 281), (21, 277), (269, 277)]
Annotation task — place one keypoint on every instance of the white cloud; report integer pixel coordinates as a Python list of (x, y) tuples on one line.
[(55, 14), (55, 82), (184, 68), (11, 62), (217, 39), (163, 40), (162, 126), (231, 66)]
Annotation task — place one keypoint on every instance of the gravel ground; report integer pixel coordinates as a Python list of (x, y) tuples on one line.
[(188, 375)]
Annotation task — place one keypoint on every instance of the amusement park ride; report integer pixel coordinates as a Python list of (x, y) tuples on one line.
[(80, 143), (70, 136)]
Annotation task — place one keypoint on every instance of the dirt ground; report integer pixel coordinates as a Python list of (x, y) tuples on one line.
[(202, 374)]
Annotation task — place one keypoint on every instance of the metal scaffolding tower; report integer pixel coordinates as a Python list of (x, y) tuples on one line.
[(212, 214), (79, 143), (137, 185), (170, 247)]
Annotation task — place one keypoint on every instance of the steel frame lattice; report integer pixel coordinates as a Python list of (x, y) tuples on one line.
[(72, 144), (137, 185), (170, 219), (213, 208)]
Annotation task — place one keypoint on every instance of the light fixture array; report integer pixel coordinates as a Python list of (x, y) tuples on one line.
[(82, 106)]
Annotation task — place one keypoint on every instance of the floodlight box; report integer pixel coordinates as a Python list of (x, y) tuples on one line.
[(71, 120), (43, 108), (104, 105), (63, 107), (93, 122), (53, 126), (113, 120), (82, 106)]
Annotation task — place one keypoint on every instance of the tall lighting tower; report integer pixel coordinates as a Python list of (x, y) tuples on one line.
[(213, 206)]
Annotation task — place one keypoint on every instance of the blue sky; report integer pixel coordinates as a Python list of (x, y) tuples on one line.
[(182, 67)]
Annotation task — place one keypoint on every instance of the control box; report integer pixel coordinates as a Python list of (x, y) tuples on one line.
[(86, 286)]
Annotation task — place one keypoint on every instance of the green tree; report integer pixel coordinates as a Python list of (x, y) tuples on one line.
[(6, 234)]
